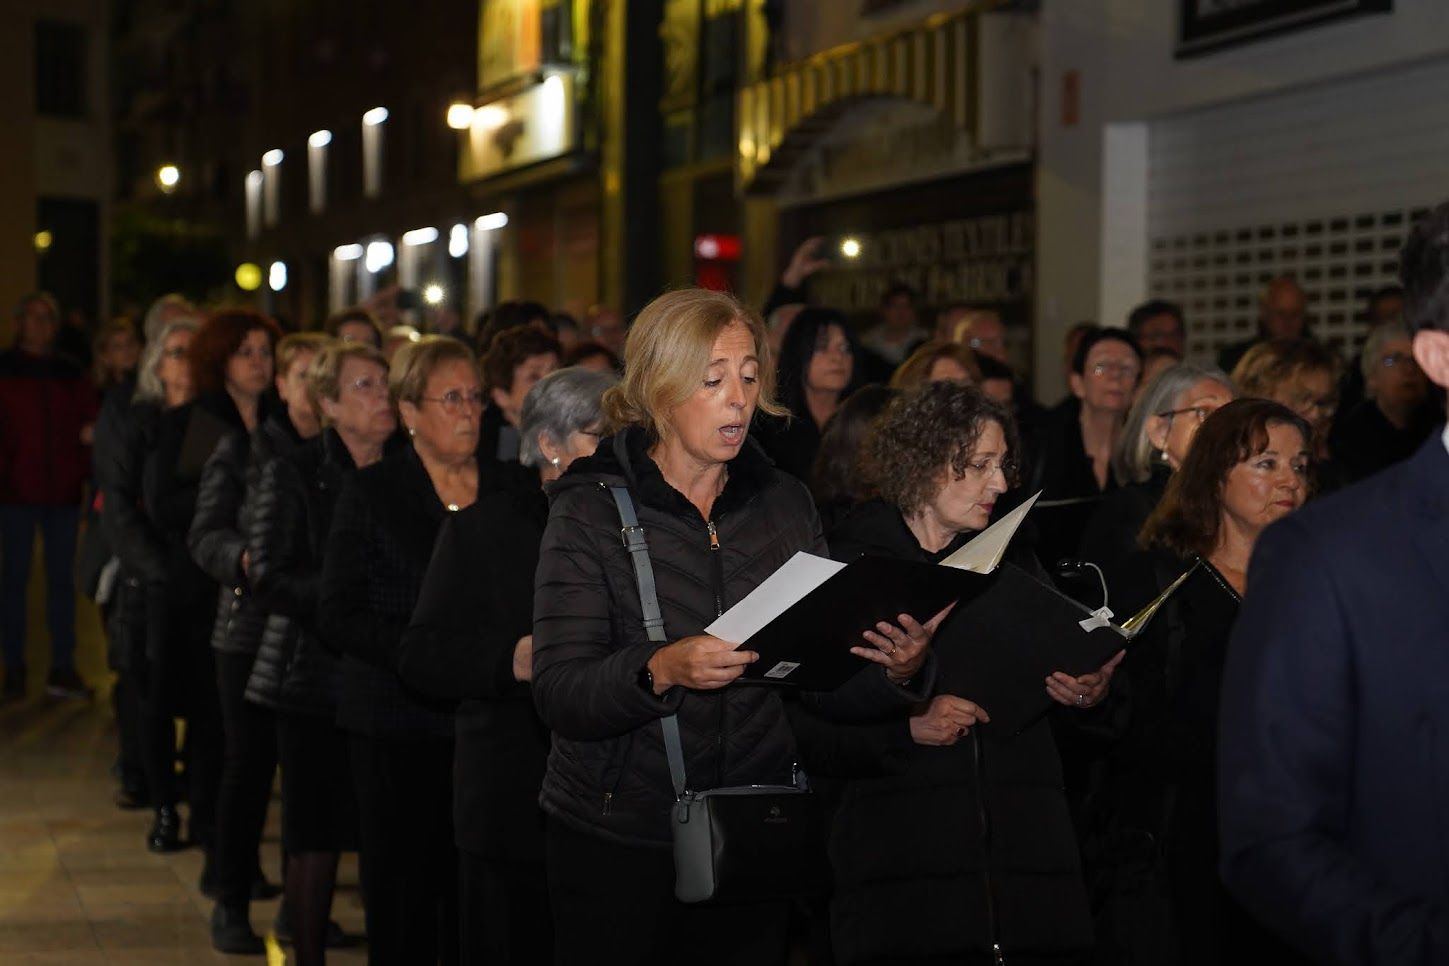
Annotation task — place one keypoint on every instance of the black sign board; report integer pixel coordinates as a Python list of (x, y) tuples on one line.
[(1209, 24)]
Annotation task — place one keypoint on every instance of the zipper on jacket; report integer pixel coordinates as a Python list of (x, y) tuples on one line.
[(983, 816), (717, 570), (619, 775)]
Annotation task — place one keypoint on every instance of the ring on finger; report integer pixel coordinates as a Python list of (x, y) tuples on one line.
[(1081, 700)]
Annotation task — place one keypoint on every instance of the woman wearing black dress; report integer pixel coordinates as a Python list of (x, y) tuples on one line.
[(1161, 899), (819, 369), (979, 856), (401, 745), (294, 674), (471, 641), (1073, 467)]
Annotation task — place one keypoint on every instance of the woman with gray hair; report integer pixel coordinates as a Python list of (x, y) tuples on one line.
[(148, 565), (1155, 439), (471, 641), (1395, 415)]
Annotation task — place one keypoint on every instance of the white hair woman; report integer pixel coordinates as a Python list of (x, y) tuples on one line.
[(471, 641), (1155, 439)]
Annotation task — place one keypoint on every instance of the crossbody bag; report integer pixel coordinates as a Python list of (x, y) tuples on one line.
[(745, 843)]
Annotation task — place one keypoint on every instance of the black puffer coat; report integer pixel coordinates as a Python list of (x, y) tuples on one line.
[(952, 848), (607, 772), (287, 534), (217, 538)]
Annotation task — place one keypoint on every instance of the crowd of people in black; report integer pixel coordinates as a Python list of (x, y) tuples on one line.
[(389, 566)]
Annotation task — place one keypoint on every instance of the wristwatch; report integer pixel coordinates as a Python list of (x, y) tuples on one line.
[(646, 679)]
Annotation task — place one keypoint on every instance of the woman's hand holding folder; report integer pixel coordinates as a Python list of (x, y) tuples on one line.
[(901, 650)]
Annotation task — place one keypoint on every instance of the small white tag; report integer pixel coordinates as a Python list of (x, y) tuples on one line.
[(781, 670), (1101, 617)]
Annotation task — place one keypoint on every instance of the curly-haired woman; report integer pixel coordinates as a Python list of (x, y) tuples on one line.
[(984, 860)]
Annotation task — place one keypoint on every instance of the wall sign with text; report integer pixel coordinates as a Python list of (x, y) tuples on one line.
[(1205, 25)]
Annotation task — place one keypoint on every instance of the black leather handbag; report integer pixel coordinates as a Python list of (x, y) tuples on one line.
[(746, 843)]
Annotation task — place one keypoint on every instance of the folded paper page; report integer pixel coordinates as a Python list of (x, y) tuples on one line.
[(983, 553)]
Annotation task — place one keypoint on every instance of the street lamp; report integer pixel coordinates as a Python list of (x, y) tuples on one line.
[(460, 115), (168, 176)]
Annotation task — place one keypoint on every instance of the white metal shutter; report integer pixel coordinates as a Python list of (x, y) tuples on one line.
[(1321, 184)]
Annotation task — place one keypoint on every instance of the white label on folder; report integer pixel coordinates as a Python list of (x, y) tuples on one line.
[(781, 670)]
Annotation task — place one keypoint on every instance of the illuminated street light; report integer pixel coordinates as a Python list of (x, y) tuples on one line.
[(248, 276), (272, 158), (168, 176), (491, 222), (375, 116), (319, 139), (347, 253), (433, 294), (490, 117), (419, 236), (460, 115), (277, 276), (379, 256), (458, 241)]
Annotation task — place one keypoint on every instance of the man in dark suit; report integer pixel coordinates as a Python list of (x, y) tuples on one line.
[(1334, 751)]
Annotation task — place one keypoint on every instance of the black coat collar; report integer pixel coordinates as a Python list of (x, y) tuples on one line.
[(624, 457)]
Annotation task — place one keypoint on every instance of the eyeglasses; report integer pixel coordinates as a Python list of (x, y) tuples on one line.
[(1396, 359), (1125, 370), (453, 400), (987, 467), (998, 342), (368, 386), (1201, 412)]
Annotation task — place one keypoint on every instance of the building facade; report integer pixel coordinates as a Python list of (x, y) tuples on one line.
[(55, 177), (1191, 151)]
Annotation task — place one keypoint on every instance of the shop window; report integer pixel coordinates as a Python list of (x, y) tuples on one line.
[(60, 69)]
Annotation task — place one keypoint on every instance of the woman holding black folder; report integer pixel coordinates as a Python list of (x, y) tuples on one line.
[(1156, 823), (982, 861), (718, 519)]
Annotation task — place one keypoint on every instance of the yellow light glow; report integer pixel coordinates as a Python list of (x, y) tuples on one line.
[(248, 276), (168, 176), (460, 116), (490, 117), (43, 241), (433, 294), (850, 248)]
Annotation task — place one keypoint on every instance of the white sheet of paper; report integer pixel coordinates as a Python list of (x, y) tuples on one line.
[(800, 574), (983, 553)]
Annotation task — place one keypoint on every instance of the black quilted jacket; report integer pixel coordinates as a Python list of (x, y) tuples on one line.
[(607, 772), (216, 538), (291, 510)]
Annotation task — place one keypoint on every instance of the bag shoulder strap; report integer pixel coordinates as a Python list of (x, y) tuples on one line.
[(638, 546)]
